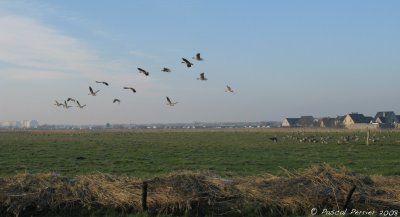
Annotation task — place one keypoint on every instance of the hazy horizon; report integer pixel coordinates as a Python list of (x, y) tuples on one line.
[(283, 59)]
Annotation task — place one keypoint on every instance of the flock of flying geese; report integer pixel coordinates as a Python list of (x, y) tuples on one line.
[(146, 73)]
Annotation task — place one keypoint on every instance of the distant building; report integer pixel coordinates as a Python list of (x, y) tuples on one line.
[(291, 122), (339, 121), (306, 121), (327, 122), (19, 124), (358, 121), (387, 119)]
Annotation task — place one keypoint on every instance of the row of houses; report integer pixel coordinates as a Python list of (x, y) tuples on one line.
[(384, 119), (19, 124)]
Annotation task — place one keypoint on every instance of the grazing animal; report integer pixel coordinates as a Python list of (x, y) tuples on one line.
[(202, 77), (117, 100), (93, 93), (197, 57), (58, 104), (170, 103), (70, 99), (102, 82), (143, 71), (187, 62), (274, 139), (79, 105), (229, 89), (130, 88), (166, 70)]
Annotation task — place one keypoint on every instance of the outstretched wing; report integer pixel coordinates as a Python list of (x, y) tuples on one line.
[(169, 101)]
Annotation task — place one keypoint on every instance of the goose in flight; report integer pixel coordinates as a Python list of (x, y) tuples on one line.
[(143, 71), (79, 105), (166, 70), (202, 77), (70, 99), (117, 100), (102, 82), (130, 88), (66, 105), (93, 93), (229, 89), (170, 103), (197, 57), (58, 104), (188, 64)]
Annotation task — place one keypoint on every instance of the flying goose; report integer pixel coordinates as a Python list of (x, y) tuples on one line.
[(117, 100), (102, 82), (93, 93), (130, 88), (229, 89), (70, 99), (143, 71), (170, 103), (166, 70), (188, 64), (197, 57), (202, 77), (79, 105), (58, 104), (66, 105)]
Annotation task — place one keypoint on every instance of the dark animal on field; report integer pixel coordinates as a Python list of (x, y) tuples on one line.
[(274, 139)]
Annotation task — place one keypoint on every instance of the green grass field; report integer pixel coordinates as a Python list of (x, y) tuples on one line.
[(148, 154)]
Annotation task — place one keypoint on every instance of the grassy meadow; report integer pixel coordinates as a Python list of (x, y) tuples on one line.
[(147, 154)]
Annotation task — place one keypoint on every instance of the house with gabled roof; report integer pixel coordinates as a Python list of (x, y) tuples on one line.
[(358, 121), (306, 121), (386, 119), (290, 122), (327, 122)]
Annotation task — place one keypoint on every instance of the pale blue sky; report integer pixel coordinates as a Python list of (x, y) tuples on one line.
[(284, 59)]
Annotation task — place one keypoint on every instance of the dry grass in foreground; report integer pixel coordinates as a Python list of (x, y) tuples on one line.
[(198, 194)]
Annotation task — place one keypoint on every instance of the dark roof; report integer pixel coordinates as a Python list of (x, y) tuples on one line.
[(390, 117), (293, 121), (306, 121), (360, 118), (341, 118), (382, 119), (328, 122)]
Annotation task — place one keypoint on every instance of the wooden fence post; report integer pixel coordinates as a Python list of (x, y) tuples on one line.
[(144, 196), (348, 198), (367, 138)]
